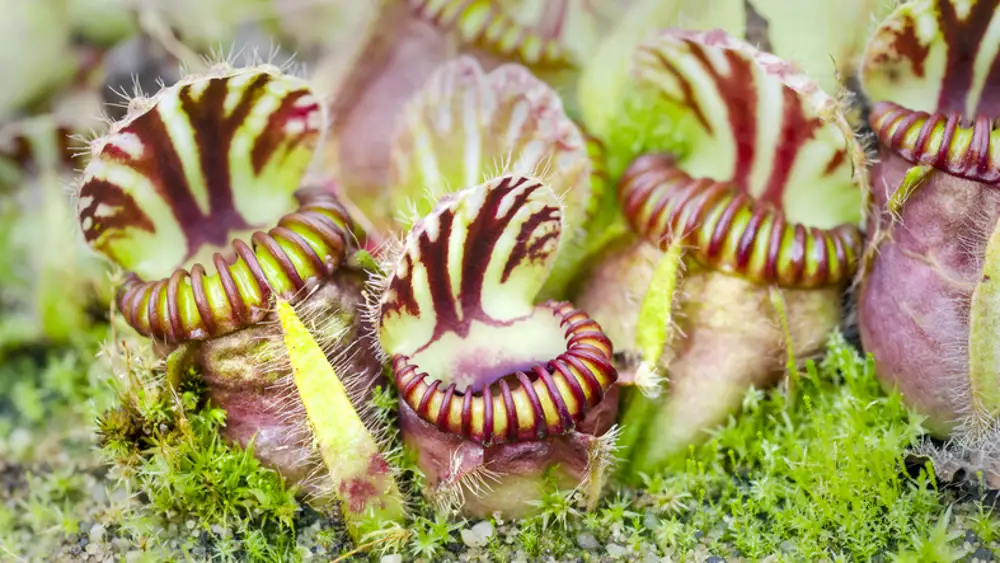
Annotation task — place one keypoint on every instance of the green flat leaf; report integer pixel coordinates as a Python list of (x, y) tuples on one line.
[(360, 476), (655, 315), (984, 326)]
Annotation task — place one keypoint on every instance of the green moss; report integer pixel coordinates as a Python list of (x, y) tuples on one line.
[(167, 445), (648, 122), (827, 475), (823, 479)]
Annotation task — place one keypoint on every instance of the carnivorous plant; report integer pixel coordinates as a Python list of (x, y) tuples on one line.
[(495, 389), (198, 195), (927, 303), (498, 384), (742, 200)]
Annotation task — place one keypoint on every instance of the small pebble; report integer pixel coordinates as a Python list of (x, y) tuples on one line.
[(99, 493), (715, 559), (454, 547), (478, 535), (118, 495), (133, 556), (971, 537), (394, 558), (983, 555), (587, 541), (615, 550), (96, 533)]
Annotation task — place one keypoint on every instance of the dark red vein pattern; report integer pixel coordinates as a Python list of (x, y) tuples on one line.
[(924, 56), (759, 144), (931, 50), (429, 245), (178, 156), (494, 243)]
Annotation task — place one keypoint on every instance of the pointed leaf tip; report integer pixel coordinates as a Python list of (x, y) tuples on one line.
[(360, 476)]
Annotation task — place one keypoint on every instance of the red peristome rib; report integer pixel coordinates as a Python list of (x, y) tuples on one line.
[(442, 419), (919, 137), (586, 365), (715, 238), (557, 399), (319, 214)]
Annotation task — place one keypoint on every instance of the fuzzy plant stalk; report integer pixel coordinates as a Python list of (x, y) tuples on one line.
[(198, 195), (407, 43), (499, 392), (928, 306), (742, 198)]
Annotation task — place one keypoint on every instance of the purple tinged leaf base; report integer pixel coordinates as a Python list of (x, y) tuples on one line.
[(914, 301), (508, 478)]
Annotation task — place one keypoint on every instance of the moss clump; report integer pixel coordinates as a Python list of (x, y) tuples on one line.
[(823, 479), (47, 393), (164, 442)]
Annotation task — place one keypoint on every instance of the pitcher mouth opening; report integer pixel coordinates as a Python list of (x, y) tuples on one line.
[(544, 398), (473, 353), (759, 174)]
